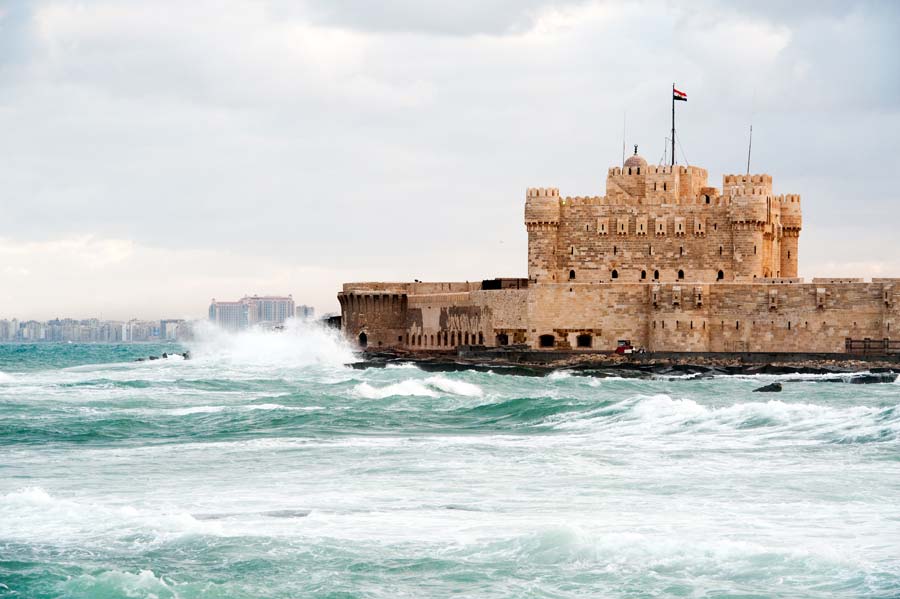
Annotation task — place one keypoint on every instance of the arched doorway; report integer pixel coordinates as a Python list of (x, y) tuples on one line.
[(502, 339), (363, 339)]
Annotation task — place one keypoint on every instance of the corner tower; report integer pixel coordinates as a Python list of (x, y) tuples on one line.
[(542, 223), (791, 223)]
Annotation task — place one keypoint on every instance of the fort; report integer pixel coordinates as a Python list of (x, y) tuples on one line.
[(663, 260)]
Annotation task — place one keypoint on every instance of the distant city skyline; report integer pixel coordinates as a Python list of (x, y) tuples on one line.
[(157, 154)]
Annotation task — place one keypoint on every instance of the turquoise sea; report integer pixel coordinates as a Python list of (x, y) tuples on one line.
[(264, 467)]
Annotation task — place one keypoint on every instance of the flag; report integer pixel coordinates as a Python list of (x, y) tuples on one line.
[(677, 95)]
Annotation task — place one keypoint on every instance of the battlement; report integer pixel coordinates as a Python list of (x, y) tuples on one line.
[(542, 206), (542, 192)]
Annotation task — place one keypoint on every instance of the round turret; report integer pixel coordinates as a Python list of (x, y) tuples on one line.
[(791, 216)]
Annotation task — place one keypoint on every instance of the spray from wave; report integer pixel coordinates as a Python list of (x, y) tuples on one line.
[(300, 343)]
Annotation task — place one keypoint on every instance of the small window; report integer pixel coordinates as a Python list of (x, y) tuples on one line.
[(546, 341), (720, 250), (502, 339), (363, 340), (789, 254), (706, 198), (615, 274), (571, 275), (583, 341), (680, 275), (720, 276), (629, 170), (754, 250), (681, 251), (643, 275), (615, 250), (656, 275)]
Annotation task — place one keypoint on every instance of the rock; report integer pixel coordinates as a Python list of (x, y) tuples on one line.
[(154, 357), (875, 377), (186, 355), (770, 388), (165, 355)]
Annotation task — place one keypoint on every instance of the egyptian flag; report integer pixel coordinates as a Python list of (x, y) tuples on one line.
[(677, 95)]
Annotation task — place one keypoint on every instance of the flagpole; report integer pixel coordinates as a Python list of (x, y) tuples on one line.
[(673, 124)]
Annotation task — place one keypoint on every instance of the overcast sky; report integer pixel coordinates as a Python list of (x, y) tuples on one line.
[(157, 153)]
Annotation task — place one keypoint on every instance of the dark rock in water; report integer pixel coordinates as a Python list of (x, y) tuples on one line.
[(165, 355), (270, 514), (139, 359), (770, 388), (186, 355), (286, 513), (154, 357), (875, 377)]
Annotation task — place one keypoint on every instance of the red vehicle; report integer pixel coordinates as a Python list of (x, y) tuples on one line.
[(624, 347)]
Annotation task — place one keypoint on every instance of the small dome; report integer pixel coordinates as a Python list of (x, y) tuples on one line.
[(635, 160)]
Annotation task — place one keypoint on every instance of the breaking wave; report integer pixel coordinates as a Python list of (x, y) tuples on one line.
[(430, 387), (301, 343)]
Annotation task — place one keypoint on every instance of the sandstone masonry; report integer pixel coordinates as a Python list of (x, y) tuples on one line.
[(662, 260)]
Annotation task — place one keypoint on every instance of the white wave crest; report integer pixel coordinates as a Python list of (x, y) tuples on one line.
[(405, 388), (455, 387), (6, 378), (430, 387)]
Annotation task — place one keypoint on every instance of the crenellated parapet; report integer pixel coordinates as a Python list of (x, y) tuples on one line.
[(791, 214), (542, 206)]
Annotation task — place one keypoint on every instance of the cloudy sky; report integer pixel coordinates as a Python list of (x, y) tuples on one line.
[(160, 153)]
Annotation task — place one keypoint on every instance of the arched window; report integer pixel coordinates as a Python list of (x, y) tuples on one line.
[(720, 276), (363, 340), (467, 339), (656, 275), (572, 275), (480, 338), (629, 170), (643, 275), (546, 340), (681, 250), (706, 197), (680, 275), (615, 274)]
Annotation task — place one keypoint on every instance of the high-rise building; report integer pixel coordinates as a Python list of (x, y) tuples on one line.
[(229, 315), (304, 311), (251, 310)]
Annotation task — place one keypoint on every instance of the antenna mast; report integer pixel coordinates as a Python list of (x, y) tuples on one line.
[(749, 147)]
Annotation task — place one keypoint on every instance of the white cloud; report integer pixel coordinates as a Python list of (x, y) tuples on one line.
[(356, 140)]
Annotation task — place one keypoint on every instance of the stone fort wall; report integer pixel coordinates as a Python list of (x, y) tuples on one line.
[(785, 315)]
